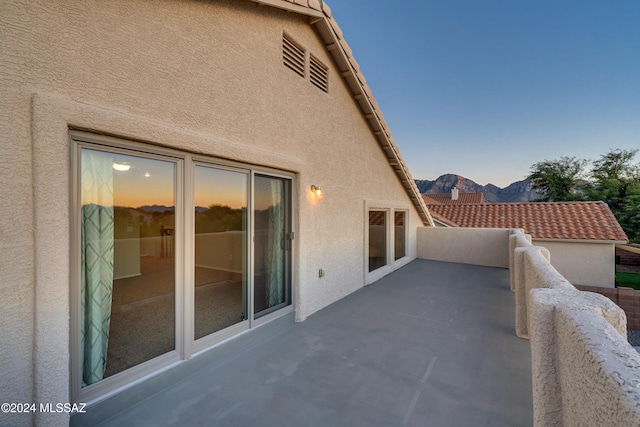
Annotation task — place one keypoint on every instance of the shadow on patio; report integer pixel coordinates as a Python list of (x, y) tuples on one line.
[(430, 344)]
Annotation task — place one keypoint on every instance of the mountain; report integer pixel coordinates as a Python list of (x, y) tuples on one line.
[(517, 192), (157, 208)]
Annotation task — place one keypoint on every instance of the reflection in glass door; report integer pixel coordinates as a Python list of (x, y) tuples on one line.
[(272, 243), (127, 223), (220, 249)]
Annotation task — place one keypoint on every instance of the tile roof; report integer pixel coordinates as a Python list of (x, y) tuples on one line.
[(321, 17), (548, 220), (445, 198), (440, 219)]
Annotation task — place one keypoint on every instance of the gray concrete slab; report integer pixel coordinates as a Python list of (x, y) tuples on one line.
[(430, 344)]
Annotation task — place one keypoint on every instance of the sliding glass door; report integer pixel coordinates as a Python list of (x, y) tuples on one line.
[(172, 255), (127, 223), (272, 244), (220, 249)]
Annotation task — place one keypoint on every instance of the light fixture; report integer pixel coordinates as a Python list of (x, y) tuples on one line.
[(122, 167), (316, 190)]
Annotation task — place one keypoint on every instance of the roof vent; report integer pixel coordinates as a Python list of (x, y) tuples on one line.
[(318, 74), (293, 56)]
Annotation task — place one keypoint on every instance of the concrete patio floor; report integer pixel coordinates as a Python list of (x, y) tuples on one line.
[(431, 344)]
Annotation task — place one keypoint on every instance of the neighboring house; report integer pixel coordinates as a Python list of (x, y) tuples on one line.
[(580, 236), (453, 198), (163, 164)]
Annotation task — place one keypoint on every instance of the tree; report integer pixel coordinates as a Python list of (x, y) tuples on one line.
[(557, 180), (629, 217), (617, 183), (615, 177)]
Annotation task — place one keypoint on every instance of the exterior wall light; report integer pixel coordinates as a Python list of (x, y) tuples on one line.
[(316, 190)]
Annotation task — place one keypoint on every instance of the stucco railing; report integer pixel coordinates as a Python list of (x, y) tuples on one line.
[(584, 372)]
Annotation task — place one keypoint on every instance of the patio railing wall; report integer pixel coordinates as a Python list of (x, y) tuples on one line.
[(584, 372)]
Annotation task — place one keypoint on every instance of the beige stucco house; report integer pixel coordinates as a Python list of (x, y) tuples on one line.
[(580, 236), (161, 157)]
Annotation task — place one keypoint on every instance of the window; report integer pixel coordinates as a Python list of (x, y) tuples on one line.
[(272, 244), (220, 262), (377, 239), (399, 235), (174, 254), (386, 239), (127, 220)]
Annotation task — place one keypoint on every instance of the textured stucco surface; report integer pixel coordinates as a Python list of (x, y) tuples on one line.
[(517, 239), (479, 246), (532, 270), (584, 371), (196, 76)]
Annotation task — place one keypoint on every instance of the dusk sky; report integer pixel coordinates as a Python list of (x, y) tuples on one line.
[(486, 88)]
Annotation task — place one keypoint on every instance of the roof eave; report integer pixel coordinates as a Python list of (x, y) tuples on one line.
[(350, 71), (314, 8), (331, 35), (604, 241)]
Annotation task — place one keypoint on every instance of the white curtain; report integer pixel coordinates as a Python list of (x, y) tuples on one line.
[(97, 239), (276, 244)]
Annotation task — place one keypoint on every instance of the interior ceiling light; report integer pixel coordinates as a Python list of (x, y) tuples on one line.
[(122, 167)]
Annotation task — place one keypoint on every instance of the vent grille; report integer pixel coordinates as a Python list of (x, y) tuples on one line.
[(318, 74), (293, 56)]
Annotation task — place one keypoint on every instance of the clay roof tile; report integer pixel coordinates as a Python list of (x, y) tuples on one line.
[(544, 220)]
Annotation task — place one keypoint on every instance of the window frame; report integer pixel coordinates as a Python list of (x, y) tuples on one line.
[(390, 208), (405, 237)]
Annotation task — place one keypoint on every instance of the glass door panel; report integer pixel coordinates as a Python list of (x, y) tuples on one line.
[(220, 249), (127, 312), (272, 244), (399, 235), (377, 239)]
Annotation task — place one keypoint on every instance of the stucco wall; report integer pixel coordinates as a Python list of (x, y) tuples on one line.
[(583, 263), (196, 76), (584, 372), (480, 246)]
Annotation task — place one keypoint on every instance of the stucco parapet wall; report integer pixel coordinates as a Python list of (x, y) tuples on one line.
[(478, 246), (584, 371), (532, 270), (517, 239)]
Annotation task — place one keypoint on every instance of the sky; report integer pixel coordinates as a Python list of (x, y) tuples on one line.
[(486, 88)]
